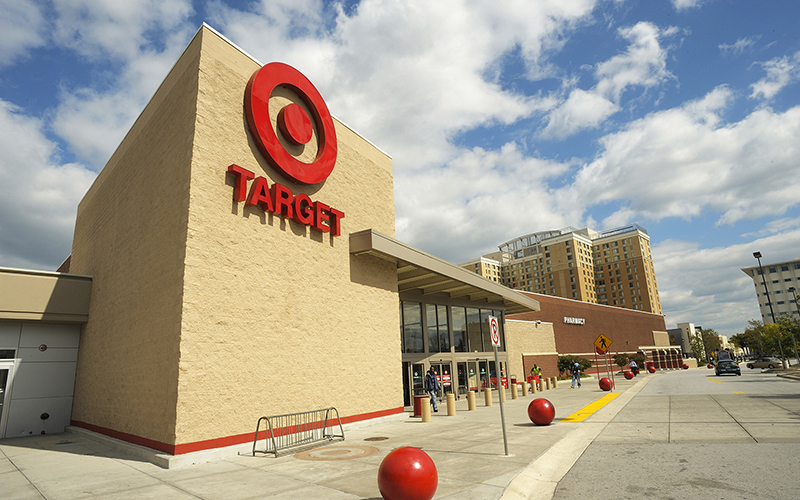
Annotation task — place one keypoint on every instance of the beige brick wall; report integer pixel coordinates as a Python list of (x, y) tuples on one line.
[(130, 235), (273, 322), (207, 314), (524, 338)]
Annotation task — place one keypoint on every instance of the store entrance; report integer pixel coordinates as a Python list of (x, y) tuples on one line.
[(413, 381), (6, 375), (445, 375)]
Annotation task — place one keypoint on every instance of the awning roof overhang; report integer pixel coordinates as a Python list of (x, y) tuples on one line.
[(426, 274)]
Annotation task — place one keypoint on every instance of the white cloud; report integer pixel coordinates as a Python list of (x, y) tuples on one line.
[(470, 202), (738, 47), (580, 111), (94, 122), (96, 28), (780, 73), (22, 26), (686, 4), (682, 162), (706, 285), (643, 64), (38, 197)]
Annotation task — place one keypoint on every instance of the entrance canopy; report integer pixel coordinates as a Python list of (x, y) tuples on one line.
[(426, 274)]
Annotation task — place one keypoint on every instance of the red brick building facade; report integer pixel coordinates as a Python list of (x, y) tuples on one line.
[(577, 325)]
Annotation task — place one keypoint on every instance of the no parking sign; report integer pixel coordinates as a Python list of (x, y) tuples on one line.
[(494, 330)]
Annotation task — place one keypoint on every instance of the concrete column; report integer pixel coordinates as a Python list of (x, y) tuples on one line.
[(487, 396), (451, 405), (470, 401)]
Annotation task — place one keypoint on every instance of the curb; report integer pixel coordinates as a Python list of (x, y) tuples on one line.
[(538, 481)]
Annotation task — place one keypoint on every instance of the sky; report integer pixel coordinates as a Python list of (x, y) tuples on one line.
[(501, 118)]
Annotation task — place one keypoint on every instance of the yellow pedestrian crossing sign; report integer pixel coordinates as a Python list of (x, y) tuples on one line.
[(602, 344)]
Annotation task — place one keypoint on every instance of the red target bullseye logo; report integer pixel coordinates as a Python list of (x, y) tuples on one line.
[(293, 121)]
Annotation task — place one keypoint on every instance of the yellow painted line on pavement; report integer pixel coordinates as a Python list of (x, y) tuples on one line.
[(739, 392), (589, 410), (715, 381)]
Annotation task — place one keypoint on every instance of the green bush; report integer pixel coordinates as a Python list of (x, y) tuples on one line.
[(565, 363)]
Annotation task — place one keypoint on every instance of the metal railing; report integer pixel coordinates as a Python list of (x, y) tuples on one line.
[(294, 429)]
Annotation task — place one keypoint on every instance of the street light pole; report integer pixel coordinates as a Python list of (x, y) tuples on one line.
[(794, 296), (757, 255)]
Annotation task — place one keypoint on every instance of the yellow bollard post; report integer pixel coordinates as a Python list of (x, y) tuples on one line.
[(503, 392), (426, 410), (471, 401), (524, 389), (514, 391), (546, 384), (534, 386), (451, 405), (555, 382), (487, 396)]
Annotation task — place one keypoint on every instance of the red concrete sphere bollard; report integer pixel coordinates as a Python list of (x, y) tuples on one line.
[(541, 411), (628, 374), (606, 384), (407, 473), (651, 369), (709, 366), (685, 366)]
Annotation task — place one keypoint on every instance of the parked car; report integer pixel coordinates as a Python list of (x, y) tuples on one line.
[(727, 366), (765, 362)]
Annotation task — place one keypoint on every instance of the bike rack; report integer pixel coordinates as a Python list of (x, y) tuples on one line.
[(294, 429)]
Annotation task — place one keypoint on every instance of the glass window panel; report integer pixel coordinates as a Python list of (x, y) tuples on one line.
[(444, 329), (433, 328), (412, 327), (459, 329), (474, 329), (487, 338)]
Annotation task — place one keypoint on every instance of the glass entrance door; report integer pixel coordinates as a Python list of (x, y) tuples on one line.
[(444, 372), (6, 376)]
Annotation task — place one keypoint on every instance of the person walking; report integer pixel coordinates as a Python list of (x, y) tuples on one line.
[(432, 386), (576, 375), (634, 367)]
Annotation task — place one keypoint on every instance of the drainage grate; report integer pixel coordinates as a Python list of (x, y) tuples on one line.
[(376, 439)]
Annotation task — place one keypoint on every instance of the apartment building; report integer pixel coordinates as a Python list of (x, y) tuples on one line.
[(612, 267), (782, 279)]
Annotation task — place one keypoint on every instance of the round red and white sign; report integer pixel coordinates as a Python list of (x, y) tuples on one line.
[(494, 329), (294, 123)]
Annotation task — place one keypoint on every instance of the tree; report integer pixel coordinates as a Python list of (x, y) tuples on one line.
[(790, 332), (711, 342), (566, 362), (621, 360)]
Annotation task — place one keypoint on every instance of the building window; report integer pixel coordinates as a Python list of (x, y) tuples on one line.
[(438, 328), (459, 329), (412, 326)]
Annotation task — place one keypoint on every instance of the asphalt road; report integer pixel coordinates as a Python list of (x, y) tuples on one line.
[(692, 435)]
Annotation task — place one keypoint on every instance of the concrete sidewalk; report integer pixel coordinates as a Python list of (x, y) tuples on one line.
[(467, 449)]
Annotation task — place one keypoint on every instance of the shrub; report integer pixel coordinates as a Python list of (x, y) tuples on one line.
[(565, 363)]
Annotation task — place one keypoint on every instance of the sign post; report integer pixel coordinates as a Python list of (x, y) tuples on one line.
[(494, 330), (601, 346)]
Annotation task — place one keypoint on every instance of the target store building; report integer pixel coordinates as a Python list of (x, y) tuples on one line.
[(236, 258)]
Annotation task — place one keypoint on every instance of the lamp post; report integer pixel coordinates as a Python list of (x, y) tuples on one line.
[(794, 296), (757, 255)]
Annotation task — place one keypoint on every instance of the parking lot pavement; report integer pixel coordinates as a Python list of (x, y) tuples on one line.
[(467, 449)]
